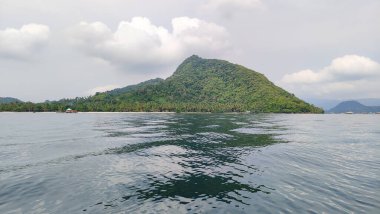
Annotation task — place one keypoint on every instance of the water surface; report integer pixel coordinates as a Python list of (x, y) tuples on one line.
[(189, 163)]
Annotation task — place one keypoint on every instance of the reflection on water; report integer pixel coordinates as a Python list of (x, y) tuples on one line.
[(188, 163), (206, 154)]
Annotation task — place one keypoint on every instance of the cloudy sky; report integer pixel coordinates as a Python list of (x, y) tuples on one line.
[(50, 49)]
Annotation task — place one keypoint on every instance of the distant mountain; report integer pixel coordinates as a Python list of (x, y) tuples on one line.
[(369, 101), (9, 100), (197, 85), (323, 103), (327, 104), (355, 107)]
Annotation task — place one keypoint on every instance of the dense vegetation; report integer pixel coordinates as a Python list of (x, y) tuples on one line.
[(198, 85)]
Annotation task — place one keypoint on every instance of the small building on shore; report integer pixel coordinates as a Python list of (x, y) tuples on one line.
[(69, 110)]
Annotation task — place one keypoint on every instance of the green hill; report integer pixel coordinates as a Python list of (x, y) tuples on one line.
[(198, 85), (129, 88), (9, 100)]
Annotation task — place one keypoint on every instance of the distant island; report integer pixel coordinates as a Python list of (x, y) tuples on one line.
[(4, 100), (328, 104), (197, 85), (353, 107)]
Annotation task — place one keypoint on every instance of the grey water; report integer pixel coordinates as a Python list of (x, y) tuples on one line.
[(189, 163)]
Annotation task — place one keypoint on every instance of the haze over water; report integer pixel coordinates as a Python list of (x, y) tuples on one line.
[(189, 163)]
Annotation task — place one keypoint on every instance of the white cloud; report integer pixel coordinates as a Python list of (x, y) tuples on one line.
[(22, 43), (353, 66), (349, 67), (304, 76), (139, 44), (102, 89), (350, 76), (228, 7)]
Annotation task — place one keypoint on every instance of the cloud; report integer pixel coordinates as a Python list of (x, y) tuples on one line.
[(22, 43), (350, 76), (138, 44), (102, 89), (228, 7), (349, 67)]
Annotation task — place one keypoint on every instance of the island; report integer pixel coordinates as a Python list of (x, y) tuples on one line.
[(197, 85), (354, 107)]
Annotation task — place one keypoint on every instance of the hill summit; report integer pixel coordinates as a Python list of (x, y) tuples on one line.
[(197, 85)]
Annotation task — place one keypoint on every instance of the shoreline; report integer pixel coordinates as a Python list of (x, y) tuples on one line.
[(170, 112)]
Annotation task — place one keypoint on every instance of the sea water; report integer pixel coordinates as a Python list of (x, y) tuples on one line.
[(189, 163)]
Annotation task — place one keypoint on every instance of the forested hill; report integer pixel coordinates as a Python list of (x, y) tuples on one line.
[(9, 100), (197, 85), (129, 88)]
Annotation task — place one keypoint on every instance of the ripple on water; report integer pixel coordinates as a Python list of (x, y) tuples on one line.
[(182, 163)]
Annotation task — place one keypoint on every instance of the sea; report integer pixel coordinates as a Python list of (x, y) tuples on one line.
[(189, 163)]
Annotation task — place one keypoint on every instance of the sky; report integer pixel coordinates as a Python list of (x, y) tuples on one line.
[(316, 49)]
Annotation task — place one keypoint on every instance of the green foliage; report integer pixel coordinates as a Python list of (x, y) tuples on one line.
[(198, 85)]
